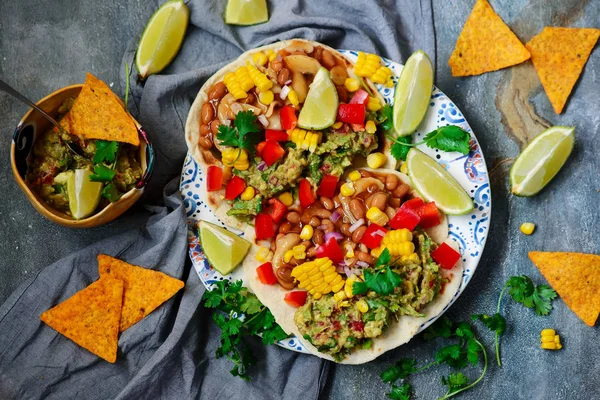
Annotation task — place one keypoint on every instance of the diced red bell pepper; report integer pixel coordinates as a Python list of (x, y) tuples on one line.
[(373, 236), (276, 210), (288, 118), (357, 325), (305, 193), (445, 256), (260, 147), (332, 250), (351, 113), (266, 275), (263, 227), (276, 135), (214, 178), (234, 188), (327, 186), (360, 97), (405, 218), (413, 204), (296, 299), (429, 214), (272, 152)]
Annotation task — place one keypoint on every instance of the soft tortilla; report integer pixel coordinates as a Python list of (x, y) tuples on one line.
[(205, 158)]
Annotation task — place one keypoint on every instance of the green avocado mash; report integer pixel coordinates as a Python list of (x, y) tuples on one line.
[(336, 329)]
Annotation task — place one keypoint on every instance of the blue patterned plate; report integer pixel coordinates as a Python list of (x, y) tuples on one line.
[(469, 231)]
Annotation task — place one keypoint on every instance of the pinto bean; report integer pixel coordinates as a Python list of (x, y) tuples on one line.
[(363, 248), (358, 234), (296, 229), (379, 200), (327, 203), (391, 182), (365, 174), (327, 59), (357, 208), (207, 113), (342, 93), (329, 227), (322, 213), (401, 191), (390, 212), (205, 142), (365, 257), (306, 244), (318, 54), (293, 217), (339, 75), (395, 202), (214, 126), (248, 99), (217, 91), (283, 76), (318, 237), (204, 130), (345, 229), (285, 227), (276, 65), (284, 276), (337, 202), (314, 222)]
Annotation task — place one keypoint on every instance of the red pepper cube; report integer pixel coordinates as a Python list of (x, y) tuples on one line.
[(373, 236), (288, 118), (263, 227), (331, 249), (214, 178), (413, 204), (445, 256), (360, 97), (305, 193), (266, 275), (405, 218), (296, 299), (429, 214), (260, 147), (276, 210), (327, 186), (351, 113), (276, 135), (234, 188), (272, 152)]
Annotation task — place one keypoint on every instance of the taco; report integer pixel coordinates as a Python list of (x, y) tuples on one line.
[(242, 132), (327, 257)]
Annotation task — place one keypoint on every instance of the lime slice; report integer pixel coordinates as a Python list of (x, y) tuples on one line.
[(246, 12), (541, 160), (223, 249), (162, 38), (320, 107), (84, 195), (434, 183), (413, 92)]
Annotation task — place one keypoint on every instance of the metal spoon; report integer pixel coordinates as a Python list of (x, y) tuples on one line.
[(5, 87)]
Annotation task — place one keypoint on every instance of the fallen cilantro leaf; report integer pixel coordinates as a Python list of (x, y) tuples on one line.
[(400, 392), (105, 151), (473, 351), (523, 291), (386, 118), (102, 174), (111, 192), (449, 138), (400, 370), (442, 327), (495, 323), (455, 381)]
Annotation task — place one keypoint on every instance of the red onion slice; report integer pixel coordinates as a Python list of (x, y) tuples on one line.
[(263, 120), (362, 264), (262, 166), (284, 92), (335, 216), (336, 235)]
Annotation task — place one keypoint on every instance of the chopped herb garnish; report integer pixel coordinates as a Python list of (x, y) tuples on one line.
[(106, 151), (381, 279), (102, 174), (241, 134)]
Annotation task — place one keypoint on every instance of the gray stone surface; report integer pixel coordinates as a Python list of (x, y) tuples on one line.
[(47, 45)]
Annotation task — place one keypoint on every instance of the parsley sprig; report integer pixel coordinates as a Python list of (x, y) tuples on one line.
[(235, 300), (243, 132), (381, 279)]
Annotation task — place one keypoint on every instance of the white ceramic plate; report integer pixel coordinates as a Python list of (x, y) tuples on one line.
[(468, 231)]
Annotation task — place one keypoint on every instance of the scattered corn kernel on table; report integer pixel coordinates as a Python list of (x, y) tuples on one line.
[(505, 109)]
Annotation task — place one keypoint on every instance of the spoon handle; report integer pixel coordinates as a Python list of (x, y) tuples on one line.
[(5, 87)]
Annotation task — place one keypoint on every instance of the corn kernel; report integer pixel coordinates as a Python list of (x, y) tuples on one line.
[(548, 339), (377, 216), (286, 198), (337, 125), (362, 306), (374, 104), (271, 54), (247, 194), (266, 97), (376, 160), (339, 296), (370, 127), (351, 84), (389, 83), (299, 252), (348, 286), (404, 168), (414, 257), (548, 332), (305, 140), (287, 256), (376, 252), (262, 254), (307, 232), (260, 58), (527, 228), (347, 189), (549, 346), (349, 251), (354, 175), (293, 97)]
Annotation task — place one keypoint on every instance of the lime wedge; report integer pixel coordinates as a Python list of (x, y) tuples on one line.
[(320, 107), (434, 183), (162, 38), (84, 195), (413, 92), (541, 160), (223, 249), (246, 12)]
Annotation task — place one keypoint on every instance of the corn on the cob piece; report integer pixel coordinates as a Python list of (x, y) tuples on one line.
[(399, 243), (550, 340), (306, 140), (262, 82), (235, 157), (366, 64), (233, 86), (318, 277), (260, 58), (242, 75), (382, 75)]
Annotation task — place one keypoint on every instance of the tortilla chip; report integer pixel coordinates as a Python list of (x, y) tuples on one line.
[(144, 289), (485, 44), (576, 278), (559, 55), (97, 113), (91, 317)]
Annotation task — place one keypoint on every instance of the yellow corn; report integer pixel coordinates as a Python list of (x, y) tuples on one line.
[(376, 252), (376, 160), (234, 157), (362, 306), (349, 251), (271, 54), (247, 194), (389, 83), (347, 189), (286, 198), (351, 84), (233, 86), (370, 127), (242, 75), (404, 168), (266, 97), (340, 296), (377, 216), (260, 58), (354, 176), (293, 97), (527, 228), (337, 125), (366, 64), (262, 82), (548, 332), (318, 277), (382, 75), (262, 254), (307, 232), (287, 256), (550, 340), (348, 286), (374, 104), (305, 140), (399, 243), (299, 252)]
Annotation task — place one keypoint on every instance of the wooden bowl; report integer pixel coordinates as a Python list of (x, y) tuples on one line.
[(32, 126)]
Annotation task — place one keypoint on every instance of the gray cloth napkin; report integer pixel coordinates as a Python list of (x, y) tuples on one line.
[(170, 353)]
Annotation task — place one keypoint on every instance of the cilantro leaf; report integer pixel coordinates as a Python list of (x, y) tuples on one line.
[(400, 370), (400, 392), (442, 327), (449, 138), (245, 122), (384, 258), (386, 118), (251, 304), (383, 281), (473, 351), (464, 330), (228, 136), (111, 192), (452, 355), (105, 151), (102, 174), (542, 299), (243, 134), (522, 290), (455, 381), (495, 323), (400, 149)]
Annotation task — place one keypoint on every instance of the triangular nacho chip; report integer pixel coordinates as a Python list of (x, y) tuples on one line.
[(144, 289), (91, 317), (576, 278), (485, 44), (97, 113), (559, 55)]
